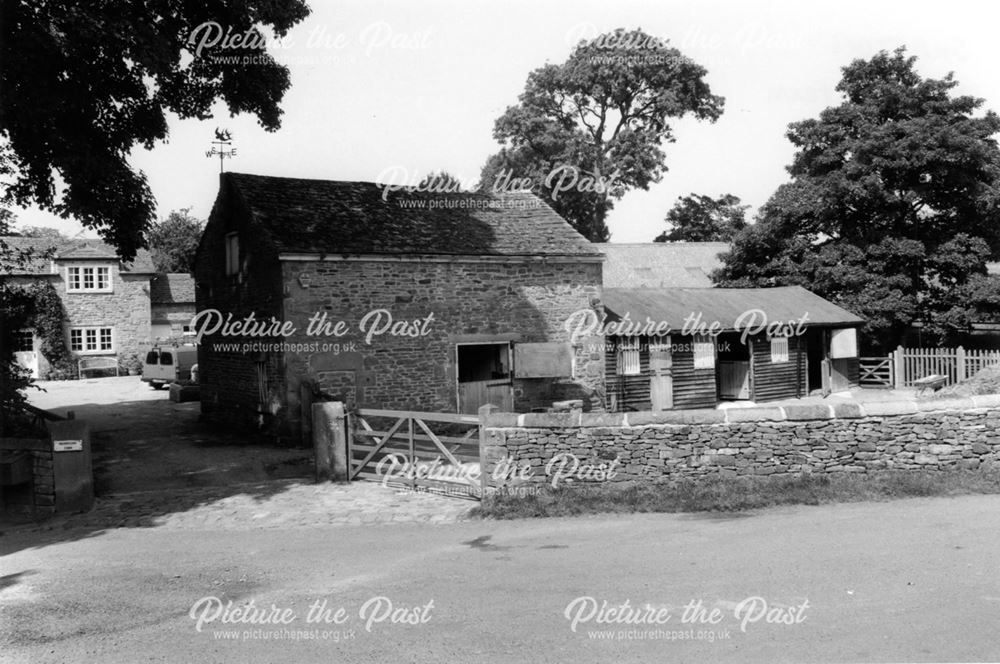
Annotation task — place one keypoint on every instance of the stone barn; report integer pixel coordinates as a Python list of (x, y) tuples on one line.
[(388, 298)]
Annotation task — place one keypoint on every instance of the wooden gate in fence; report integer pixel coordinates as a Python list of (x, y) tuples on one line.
[(875, 372), (903, 366), (434, 452)]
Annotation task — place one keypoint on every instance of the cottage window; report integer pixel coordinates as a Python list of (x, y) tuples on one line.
[(232, 254), (91, 339), (704, 352), (628, 356), (24, 341), (96, 279), (779, 349)]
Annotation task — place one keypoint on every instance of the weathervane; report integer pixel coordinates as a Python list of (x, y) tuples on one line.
[(223, 139)]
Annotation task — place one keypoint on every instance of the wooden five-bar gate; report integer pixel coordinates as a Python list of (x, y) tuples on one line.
[(435, 452), (902, 367)]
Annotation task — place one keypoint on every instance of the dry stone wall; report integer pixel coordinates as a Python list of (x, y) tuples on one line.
[(842, 438)]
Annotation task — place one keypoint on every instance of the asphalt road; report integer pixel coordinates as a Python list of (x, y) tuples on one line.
[(913, 580)]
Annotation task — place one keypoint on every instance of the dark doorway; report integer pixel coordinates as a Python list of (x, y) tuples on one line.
[(815, 354), (484, 376), (733, 372)]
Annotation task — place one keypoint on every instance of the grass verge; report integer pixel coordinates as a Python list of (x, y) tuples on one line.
[(714, 494)]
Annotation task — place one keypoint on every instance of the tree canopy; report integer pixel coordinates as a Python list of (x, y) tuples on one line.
[(893, 207), (86, 82), (173, 242), (698, 218), (586, 131), (41, 232)]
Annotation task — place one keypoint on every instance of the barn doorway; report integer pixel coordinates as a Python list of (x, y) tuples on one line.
[(733, 372), (484, 376), (815, 356)]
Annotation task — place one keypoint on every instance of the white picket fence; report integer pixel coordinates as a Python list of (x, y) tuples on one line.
[(904, 365)]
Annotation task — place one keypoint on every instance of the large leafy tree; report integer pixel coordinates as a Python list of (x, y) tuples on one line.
[(16, 309), (85, 82), (893, 207), (697, 218), (173, 242), (588, 130)]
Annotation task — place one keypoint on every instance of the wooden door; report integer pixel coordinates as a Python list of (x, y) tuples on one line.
[(839, 381), (476, 393), (661, 380), (25, 353), (734, 379)]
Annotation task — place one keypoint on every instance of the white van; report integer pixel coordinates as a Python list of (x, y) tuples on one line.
[(165, 364)]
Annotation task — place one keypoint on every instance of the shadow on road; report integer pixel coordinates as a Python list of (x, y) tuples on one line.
[(153, 457)]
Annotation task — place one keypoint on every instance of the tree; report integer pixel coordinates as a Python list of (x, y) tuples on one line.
[(42, 232), (84, 83), (586, 131), (893, 207), (173, 242), (697, 218), (16, 311)]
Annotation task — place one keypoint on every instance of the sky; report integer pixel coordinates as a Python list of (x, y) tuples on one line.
[(409, 87)]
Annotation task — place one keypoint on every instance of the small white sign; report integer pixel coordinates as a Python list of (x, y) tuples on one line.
[(67, 445)]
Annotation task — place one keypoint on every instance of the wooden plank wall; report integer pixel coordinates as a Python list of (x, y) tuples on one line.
[(692, 388), (778, 381)]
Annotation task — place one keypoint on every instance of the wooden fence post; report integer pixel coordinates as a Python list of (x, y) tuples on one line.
[(960, 364), (330, 440), (898, 369)]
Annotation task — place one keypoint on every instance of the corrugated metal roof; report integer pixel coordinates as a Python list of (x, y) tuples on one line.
[(321, 216), (727, 306), (661, 264)]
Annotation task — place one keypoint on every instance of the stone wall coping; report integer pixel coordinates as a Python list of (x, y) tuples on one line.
[(763, 413)]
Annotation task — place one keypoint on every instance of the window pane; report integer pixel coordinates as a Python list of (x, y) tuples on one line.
[(779, 349), (88, 278), (105, 338), (166, 359), (91, 337), (704, 352), (103, 276), (152, 357), (628, 356), (23, 342), (74, 278), (76, 340)]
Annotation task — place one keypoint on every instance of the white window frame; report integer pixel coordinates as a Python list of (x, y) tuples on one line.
[(232, 254), (86, 332), (627, 357), (703, 350), (779, 350), (77, 277)]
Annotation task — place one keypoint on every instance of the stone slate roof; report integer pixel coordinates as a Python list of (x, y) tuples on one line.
[(661, 264), (725, 305), (327, 217), (73, 250), (172, 288)]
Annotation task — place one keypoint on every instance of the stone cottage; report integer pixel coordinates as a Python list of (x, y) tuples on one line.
[(172, 305), (106, 301), (388, 298)]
